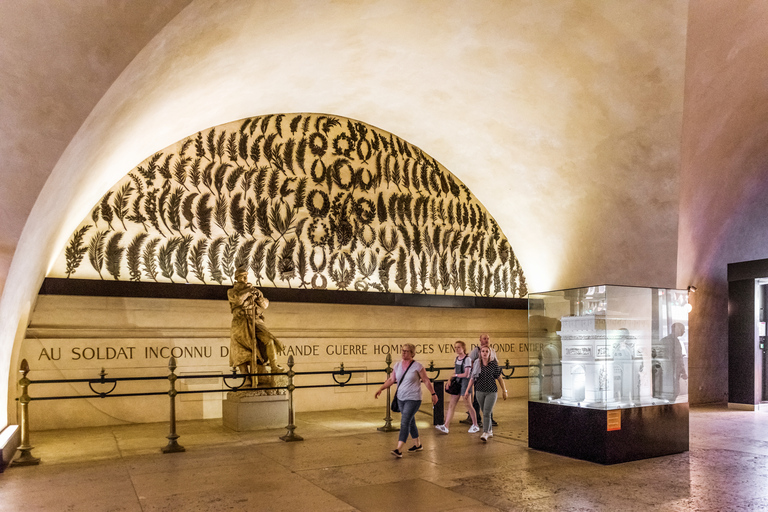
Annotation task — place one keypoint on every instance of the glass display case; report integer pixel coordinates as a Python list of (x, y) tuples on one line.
[(609, 347), (609, 372)]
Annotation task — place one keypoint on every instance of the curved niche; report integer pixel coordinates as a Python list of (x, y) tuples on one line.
[(302, 200)]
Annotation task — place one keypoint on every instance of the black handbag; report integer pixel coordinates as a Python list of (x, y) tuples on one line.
[(394, 406), (454, 388)]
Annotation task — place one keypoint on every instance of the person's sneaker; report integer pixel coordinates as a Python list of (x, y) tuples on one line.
[(397, 453), (490, 433), (473, 429), (442, 428), (466, 421), (493, 423), (415, 448), (484, 437)]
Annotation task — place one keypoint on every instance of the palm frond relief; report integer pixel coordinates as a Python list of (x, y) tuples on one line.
[(303, 201)]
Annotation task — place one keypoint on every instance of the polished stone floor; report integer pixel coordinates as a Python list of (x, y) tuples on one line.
[(344, 464)]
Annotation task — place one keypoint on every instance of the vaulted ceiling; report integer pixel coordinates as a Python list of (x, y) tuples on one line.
[(564, 118)]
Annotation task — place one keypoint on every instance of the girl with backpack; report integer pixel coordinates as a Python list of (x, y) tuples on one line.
[(457, 386)]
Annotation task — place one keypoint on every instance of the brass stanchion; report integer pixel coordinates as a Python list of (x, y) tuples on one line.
[(290, 435), (388, 419), (25, 458), (173, 446)]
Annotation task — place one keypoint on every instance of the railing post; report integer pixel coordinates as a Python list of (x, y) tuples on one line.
[(291, 435), (388, 419), (173, 446), (438, 410), (25, 458)]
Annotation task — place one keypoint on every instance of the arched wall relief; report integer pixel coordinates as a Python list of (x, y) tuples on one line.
[(302, 200)]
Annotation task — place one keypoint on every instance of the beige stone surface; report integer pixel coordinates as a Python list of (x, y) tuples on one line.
[(58, 59), (75, 337), (563, 118), (723, 181), (344, 464), (248, 411)]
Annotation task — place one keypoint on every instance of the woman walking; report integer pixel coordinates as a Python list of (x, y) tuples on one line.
[(462, 368), (408, 374), (484, 376)]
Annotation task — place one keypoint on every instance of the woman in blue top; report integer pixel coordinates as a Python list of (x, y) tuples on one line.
[(484, 376), (462, 368), (409, 375)]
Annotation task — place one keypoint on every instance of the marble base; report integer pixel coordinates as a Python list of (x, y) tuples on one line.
[(743, 407), (10, 439), (255, 410)]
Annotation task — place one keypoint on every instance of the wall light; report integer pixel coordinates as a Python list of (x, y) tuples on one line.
[(688, 306)]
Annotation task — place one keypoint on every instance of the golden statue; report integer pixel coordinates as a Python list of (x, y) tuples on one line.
[(252, 346)]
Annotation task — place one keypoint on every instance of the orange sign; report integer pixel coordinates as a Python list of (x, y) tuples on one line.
[(614, 420)]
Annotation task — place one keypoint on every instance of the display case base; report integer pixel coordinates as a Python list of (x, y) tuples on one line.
[(582, 433)]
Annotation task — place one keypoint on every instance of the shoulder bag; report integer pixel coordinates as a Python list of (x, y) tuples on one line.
[(394, 406), (454, 388)]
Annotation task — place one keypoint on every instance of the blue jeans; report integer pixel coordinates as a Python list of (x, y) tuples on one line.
[(487, 401), (408, 410)]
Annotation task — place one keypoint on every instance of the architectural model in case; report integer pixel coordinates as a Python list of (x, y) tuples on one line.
[(609, 347)]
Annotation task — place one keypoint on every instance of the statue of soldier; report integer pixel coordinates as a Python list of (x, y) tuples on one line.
[(252, 346)]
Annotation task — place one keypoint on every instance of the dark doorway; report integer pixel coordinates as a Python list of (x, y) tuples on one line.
[(747, 347)]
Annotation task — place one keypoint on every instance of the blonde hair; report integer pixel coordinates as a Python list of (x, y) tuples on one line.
[(411, 347), (463, 345)]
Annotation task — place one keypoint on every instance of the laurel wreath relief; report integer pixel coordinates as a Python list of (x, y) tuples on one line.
[(302, 200)]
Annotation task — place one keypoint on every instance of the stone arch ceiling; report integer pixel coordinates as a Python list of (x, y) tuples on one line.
[(57, 61), (562, 118)]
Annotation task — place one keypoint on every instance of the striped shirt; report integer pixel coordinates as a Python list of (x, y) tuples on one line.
[(486, 380)]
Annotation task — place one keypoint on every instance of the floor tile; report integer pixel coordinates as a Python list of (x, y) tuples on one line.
[(413, 495), (345, 464)]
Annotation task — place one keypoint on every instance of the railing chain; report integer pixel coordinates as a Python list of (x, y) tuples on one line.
[(341, 373), (173, 446)]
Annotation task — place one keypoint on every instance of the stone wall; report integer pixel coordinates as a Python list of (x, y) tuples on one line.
[(75, 337)]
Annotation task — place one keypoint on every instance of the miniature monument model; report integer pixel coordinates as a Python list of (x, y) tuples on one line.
[(603, 364)]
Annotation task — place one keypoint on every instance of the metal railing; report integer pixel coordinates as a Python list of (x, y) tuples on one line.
[(234, 382)]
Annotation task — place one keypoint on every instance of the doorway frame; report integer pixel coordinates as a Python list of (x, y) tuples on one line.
[(745, 366)]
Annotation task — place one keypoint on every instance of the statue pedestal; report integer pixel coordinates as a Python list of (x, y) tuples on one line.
[(255, 409)]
